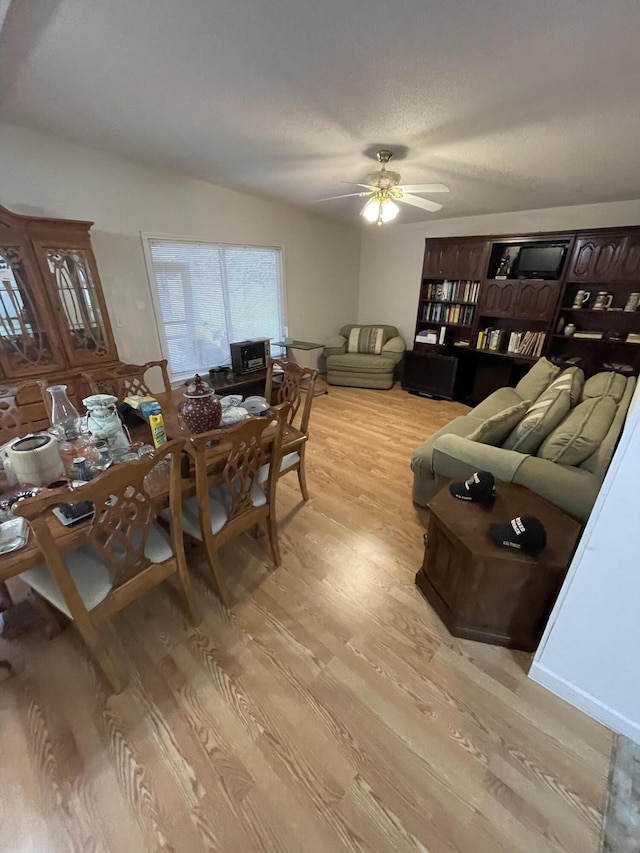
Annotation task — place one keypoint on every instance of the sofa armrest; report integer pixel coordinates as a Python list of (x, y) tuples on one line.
[(458, 458), (394, 349), (573, 489), (337, 345)]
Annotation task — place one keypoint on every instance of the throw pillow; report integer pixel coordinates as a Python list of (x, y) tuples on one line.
[(495, 429), (366, 339), (541, 419), (605, 385), (581, 432), (536, 380), (571, 380)]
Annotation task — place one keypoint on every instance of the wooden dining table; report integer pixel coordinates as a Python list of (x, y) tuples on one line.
[(29, 555), (18, 561)]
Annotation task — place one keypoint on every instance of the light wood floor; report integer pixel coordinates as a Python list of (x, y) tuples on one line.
[(329, 711)]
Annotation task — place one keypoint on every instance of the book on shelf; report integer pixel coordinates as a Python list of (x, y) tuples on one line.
[(453, 291), (593, 336), (633, 338), (515, 343)]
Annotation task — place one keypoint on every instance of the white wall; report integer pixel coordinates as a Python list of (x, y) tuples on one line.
[(589, 652), (391, 257), (46, 176)]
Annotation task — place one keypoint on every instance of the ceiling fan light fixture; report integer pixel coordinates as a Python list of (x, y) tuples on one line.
[(380, 209)]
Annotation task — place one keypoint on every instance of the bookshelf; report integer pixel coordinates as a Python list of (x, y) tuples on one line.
[(497, 303), (446, 312)]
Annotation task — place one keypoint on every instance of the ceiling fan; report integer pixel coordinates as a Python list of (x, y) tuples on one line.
[(383, 190)]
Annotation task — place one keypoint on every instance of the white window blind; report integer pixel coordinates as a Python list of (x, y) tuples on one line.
[(209, 294)]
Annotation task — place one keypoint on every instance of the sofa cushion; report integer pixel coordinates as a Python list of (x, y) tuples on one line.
[(571, 380), (496, 428), (580, 433), (605, 385), (359, 362), (366, 339), (541, 419), (497, 401), (536, 380)]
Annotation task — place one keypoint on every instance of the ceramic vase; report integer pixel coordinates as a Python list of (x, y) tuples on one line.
[(201, 409)]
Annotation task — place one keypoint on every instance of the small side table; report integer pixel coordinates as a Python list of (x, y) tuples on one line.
[(306, 346), (486, 593)]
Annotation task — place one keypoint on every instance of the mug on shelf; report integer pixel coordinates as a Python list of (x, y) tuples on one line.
[(581, 297), (632, 302), (602, 301)]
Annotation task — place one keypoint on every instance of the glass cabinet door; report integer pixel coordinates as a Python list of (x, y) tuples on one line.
[(73, 274), (28, 338)]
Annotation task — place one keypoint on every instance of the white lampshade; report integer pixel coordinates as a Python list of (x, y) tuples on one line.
[(380, 210)]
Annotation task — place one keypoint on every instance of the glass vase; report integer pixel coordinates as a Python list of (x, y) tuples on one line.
[(64, 415)]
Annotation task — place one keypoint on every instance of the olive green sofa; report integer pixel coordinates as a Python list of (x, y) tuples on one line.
[(451, 454), (363, 370)]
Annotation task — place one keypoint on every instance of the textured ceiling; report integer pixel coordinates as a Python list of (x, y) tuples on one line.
[(513, 104)]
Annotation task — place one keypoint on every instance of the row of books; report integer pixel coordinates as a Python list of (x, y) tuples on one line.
[(440, 312), (452, 291), (518, 343)]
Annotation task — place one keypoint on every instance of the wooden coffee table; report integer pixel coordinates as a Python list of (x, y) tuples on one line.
[(491, 594)]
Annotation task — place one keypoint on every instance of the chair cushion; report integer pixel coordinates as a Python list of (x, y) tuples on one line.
[(219, 506), (578, 436), (536, 380), (359, 362), (605, 385), (388, 331), (541, 419), (91, 575), (496, 428), (287, 461), (571, 380), (365, 339)]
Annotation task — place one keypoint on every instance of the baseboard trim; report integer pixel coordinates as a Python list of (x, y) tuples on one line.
[(591, 706)]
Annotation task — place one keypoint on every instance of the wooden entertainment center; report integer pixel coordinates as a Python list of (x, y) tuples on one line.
[(488, 306)]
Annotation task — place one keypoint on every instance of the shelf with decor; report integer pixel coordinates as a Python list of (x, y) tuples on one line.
[(601, 294)]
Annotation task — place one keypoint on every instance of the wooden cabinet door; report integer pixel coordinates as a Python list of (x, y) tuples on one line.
[(498, 298), (71, 271), (536, 300), (597, 258), (29, 339), (630, 263), (455, 259), (471, 261), (437, 259)]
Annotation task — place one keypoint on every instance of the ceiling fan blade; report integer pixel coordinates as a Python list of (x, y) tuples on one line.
[(353, 184), (424, 188), (346, 195), (424, 203)]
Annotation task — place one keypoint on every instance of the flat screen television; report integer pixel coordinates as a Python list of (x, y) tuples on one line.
[(541, 261), (430, 375)]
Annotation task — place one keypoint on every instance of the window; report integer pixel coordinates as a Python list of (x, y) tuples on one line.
[(208, 294)]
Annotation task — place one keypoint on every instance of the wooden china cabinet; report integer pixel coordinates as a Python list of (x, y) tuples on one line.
[(53, 317)]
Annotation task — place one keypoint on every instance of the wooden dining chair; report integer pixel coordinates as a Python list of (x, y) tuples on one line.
[(15, 422), (123, 552), (126, 379), (229, 499), (15, 419), (297, 384)]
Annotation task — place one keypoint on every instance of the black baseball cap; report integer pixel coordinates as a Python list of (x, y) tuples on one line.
[(480, 488), (525, 533)]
